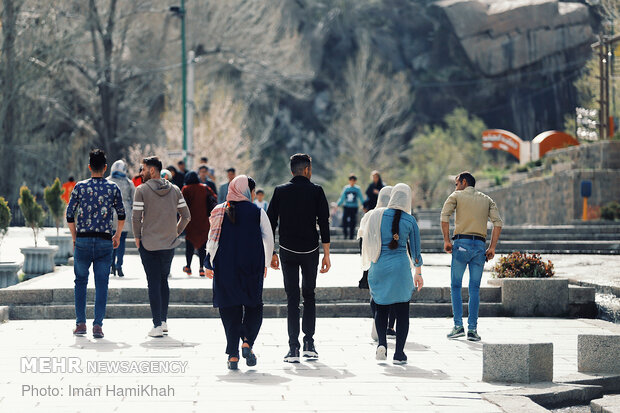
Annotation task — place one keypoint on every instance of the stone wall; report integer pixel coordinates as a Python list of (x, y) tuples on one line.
[(554, 200)]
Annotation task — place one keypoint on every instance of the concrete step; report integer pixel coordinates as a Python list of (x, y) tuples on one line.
[(62, 296), (65, 311)]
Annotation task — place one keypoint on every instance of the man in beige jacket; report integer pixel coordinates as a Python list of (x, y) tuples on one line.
[(156, 232), (473, 210)]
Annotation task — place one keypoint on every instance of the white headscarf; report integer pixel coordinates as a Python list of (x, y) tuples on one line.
[(400, 198), (369, 244)]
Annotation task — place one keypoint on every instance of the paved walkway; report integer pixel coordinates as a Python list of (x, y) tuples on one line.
[(442, 375)]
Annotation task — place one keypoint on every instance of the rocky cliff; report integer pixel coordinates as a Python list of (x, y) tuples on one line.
[(510, 62)]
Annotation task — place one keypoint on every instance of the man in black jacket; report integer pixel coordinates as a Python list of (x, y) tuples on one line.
[(299, 205)]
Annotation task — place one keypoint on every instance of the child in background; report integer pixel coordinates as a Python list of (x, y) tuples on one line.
[(260, 200)]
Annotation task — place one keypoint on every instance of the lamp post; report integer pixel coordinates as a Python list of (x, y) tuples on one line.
[(179, 11)]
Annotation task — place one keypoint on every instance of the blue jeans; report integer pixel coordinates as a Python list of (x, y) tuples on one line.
[(98, 252), (119, 253), (467, 252)]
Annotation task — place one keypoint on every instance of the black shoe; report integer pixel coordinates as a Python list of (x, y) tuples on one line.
[(120, 272), (472, 335), (113, 269), (390, 332), (310, 351), (400, 358), (292, 356), (249, 356), (233, 365)]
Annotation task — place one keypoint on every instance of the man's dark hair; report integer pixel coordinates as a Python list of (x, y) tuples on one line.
[(260, 191), (153, 161), (172, 169), (352, 176), (97, 160), (471, 181), (203, 167), (204, 159), (181, 163), (299, 162), (233, 170), (71, 179)]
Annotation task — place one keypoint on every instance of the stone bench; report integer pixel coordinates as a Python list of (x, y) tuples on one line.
[(517, 363), (598, 353), (608, 404)]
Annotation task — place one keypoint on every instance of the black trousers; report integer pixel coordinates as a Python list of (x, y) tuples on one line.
[(240, 323), (391, 317), (291, 263), (189, 253), (349, 221), (157, 267), (402, 324)]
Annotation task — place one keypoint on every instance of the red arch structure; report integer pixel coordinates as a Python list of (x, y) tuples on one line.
[(550, 140)]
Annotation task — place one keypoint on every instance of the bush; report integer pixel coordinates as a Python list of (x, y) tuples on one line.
[(53, 199), (33, 213), (5, 218), (522, 265), (611, 211)]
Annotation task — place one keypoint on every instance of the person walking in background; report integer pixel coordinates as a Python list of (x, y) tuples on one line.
[(177, 178), (210, 171), (201, 200), (473, 210), (89, 217), (350, 198), (230, 173), (260, 200), (156, 232), (67, 188), (298, 206), (137, 180), (239, 249), (118, 175), (203, 178), (381, 206), (385, 254), (372, 192)]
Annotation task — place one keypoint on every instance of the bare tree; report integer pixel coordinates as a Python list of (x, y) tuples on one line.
[(372, 113)]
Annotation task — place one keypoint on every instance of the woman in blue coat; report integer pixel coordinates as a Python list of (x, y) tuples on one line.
[(240, 246), (387, 238)]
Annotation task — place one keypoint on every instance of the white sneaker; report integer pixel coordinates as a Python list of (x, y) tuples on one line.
[(164, 327), (156, 332), (381, 353), (373, 332)]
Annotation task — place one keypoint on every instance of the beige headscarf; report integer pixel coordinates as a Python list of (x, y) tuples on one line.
[(369, 244)]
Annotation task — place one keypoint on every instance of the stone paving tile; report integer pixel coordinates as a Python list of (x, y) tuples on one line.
[(442, 375)]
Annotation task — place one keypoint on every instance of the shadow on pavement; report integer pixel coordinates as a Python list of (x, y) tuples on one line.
[(101, 345), (314, 368), (252, 377), (166, 342), (411, 371)]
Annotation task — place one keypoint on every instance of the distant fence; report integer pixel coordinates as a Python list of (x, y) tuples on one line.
[(17, 218)]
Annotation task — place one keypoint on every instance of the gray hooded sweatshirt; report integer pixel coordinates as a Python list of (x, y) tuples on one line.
[(154, 218)]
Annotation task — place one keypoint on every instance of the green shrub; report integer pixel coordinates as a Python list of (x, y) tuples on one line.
[(52, 195), (522, 265), (5, 218), (523, 168), (611, 211), (33, 213)]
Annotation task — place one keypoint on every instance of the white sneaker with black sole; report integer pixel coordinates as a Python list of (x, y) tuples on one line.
[(164, 327), (156, 332), (381, 353)]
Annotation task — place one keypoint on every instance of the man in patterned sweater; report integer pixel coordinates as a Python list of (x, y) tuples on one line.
[(89, 217)]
